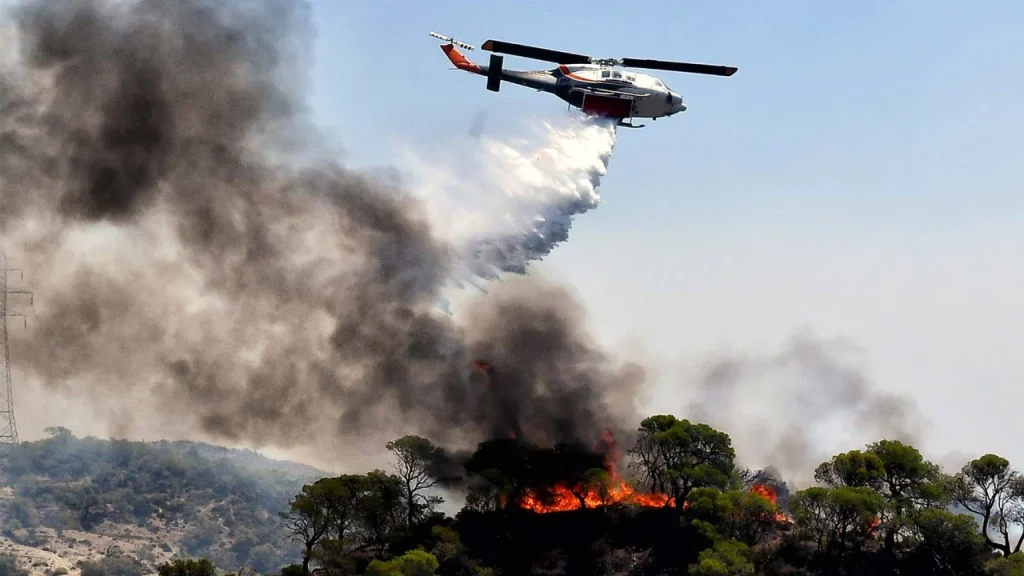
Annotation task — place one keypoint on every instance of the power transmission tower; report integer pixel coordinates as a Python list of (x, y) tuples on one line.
[(8, 427)]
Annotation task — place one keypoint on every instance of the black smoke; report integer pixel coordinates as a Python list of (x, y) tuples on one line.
[(196, 261)]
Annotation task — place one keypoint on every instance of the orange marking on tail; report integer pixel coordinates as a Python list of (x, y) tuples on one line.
[(460, 61)]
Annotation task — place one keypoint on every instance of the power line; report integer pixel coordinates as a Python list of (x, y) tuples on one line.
[(8, 426)]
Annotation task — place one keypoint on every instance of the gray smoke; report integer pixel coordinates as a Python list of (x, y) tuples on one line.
[(782, 409), (189, 266)]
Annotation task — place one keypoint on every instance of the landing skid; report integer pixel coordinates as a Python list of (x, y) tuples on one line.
[(625, 125)]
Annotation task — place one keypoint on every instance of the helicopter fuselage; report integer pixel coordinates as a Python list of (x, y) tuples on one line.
[(593, 88)]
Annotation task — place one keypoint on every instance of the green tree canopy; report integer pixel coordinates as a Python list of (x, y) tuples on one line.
[(990, 488), (413, 563), (188, 567), (724, 558), (414, 459), (835, 520), (738, 515), (675, 456), (1012, 565)]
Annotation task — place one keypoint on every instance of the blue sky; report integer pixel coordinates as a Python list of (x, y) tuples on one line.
[(860, 177)]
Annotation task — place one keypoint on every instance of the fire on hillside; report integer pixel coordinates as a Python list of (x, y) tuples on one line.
[(598, 490)]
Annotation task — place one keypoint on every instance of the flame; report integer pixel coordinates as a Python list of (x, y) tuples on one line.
[(564, 498), (483, 367), (772, 496), (766, 491), (875, 522)]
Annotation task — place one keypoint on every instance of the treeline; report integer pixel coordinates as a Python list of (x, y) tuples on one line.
[(673, 503), (684, 509)]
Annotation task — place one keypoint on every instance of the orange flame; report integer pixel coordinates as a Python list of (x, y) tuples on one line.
[(772, 496), (875, 522), (563, 498), (766, 491)]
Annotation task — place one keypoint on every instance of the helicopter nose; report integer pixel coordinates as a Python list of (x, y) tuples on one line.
[(677, 103)]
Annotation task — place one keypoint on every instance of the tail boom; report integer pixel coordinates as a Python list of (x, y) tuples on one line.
[(543, 80), (460, 61)]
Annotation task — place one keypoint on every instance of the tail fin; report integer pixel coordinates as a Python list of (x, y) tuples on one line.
[(460, 61)]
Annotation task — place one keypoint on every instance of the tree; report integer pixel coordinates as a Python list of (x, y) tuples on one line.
[(512, 469), (504, 465), (908, 480), (415, 456), (855, 469), (725, 558), (308, 518), (895, 470), (1012, 565), (379, 510), (738, 515), (836, 520), (675, 456), (189, 567), (900, 474), (341, 496), (944, 543), (413, 563), (989, 488), (571, 465)]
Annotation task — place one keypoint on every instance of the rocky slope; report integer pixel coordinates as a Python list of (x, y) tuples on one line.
[(124, 508)]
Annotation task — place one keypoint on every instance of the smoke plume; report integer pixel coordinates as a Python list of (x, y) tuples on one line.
[(785, 409), (189, 270)]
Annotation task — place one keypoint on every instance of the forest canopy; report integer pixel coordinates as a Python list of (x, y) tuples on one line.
[(674, 502)]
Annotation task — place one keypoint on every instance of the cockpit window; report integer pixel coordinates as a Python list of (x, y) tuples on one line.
[(616, 74), (605, 74)]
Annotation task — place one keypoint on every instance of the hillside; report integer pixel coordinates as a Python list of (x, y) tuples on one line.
[(66, 500)]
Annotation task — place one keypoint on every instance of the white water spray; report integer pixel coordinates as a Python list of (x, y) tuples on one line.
[(507, 203)]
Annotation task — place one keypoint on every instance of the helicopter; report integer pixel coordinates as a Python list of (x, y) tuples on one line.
[(596, 86)]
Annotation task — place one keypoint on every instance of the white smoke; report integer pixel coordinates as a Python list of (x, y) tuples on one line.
[(505, 203)]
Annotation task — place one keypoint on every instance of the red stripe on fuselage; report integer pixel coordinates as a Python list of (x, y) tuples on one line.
[(565, 70)]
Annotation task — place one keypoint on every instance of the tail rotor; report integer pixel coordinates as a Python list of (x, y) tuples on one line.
[(451, 40)]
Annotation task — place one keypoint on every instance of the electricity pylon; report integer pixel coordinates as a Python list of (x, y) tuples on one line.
[(8, 426)]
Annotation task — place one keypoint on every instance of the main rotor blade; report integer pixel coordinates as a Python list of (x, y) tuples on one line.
[(711, 69), (536, 53)]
